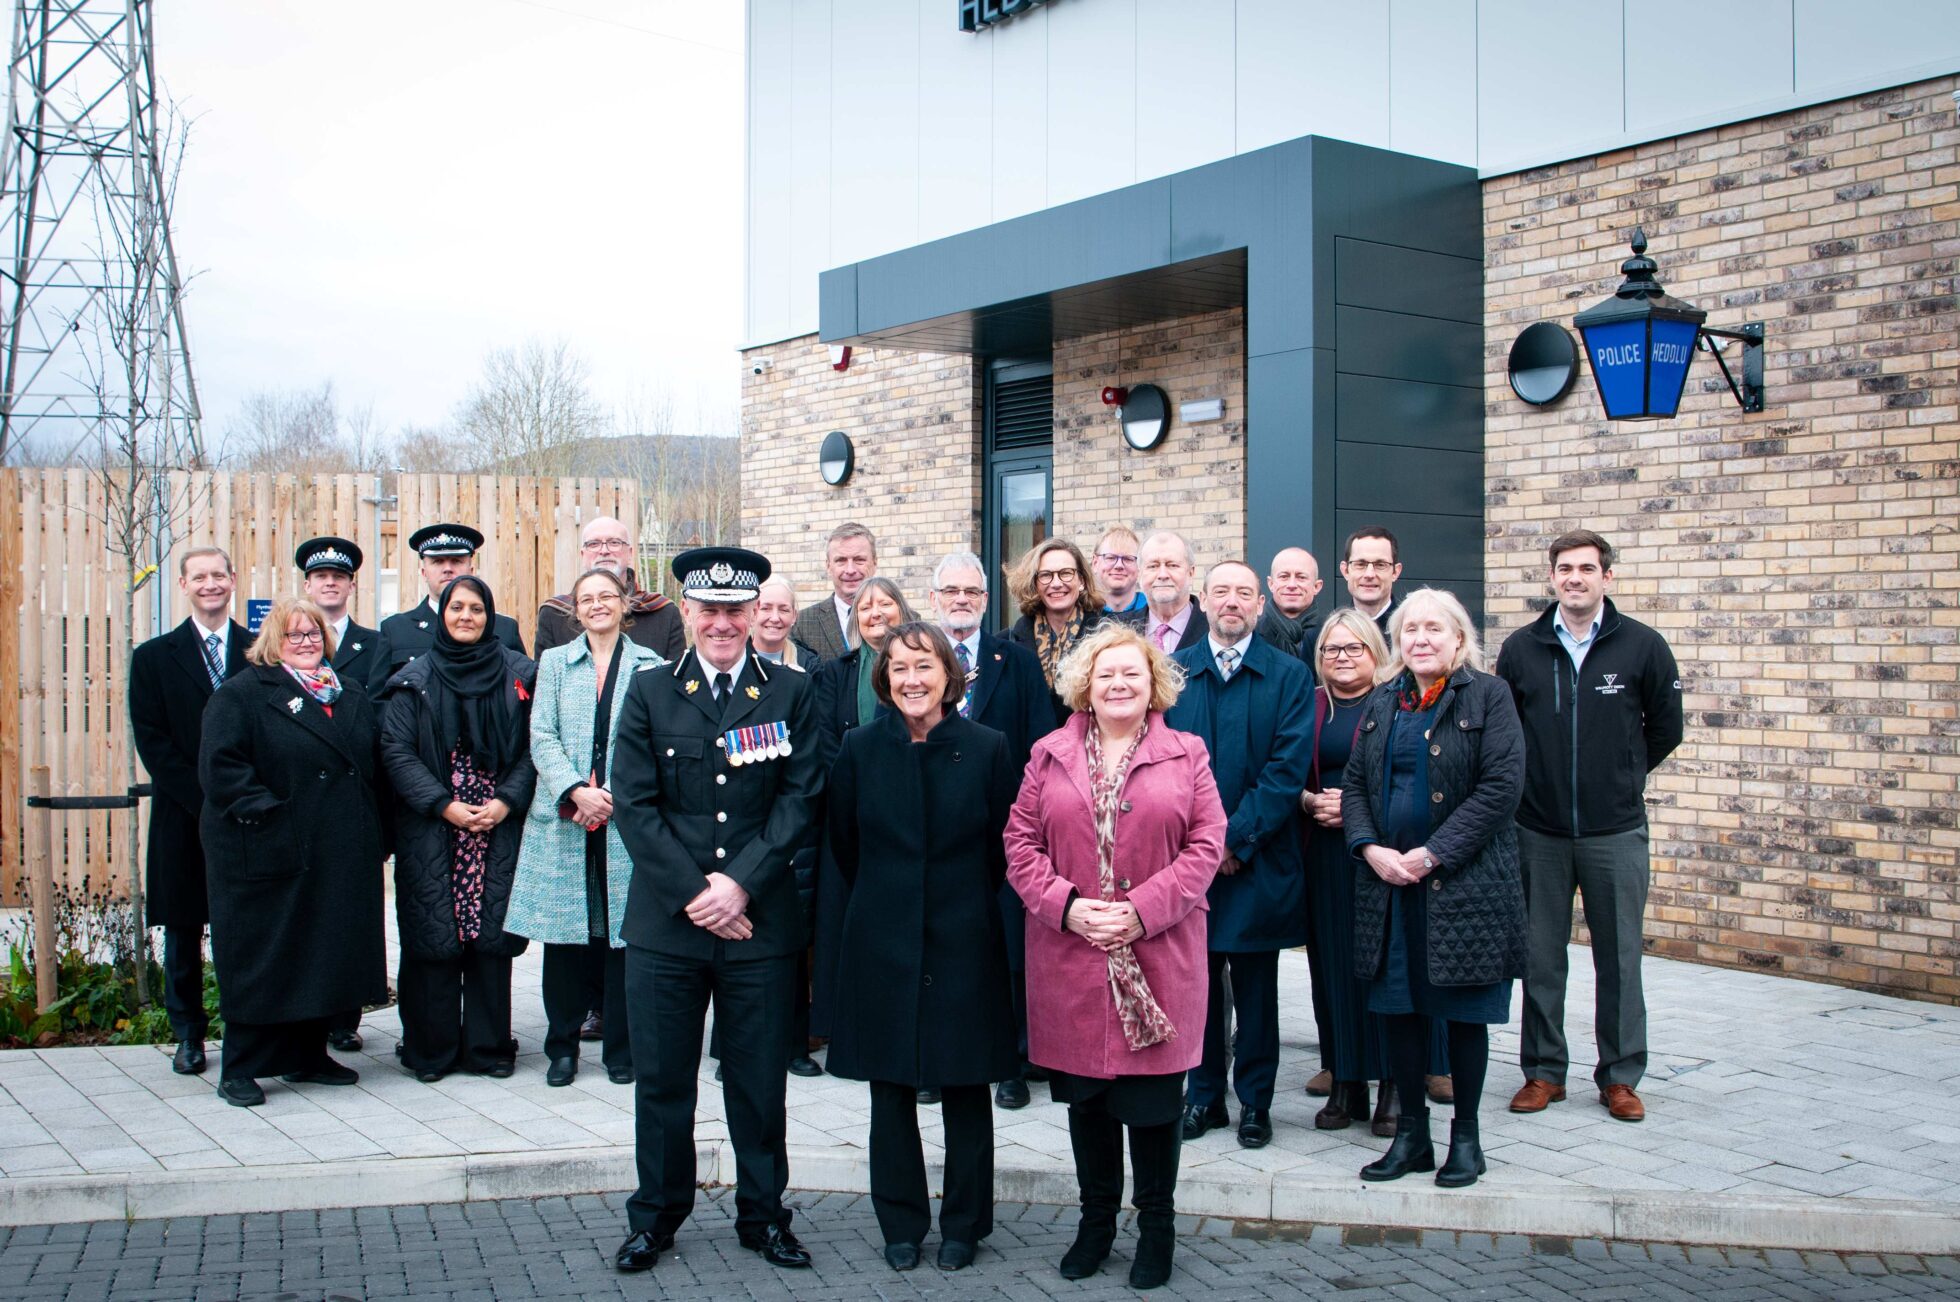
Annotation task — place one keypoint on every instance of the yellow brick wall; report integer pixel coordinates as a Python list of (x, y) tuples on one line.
[(1801, 561)]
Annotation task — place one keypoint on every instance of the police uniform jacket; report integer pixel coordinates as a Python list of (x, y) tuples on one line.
[(684, 811), (413, 633), (363, 656)]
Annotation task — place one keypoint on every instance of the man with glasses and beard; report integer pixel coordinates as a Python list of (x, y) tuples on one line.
[(653, 621)]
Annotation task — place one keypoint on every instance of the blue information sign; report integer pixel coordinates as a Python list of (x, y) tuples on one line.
[(256, 609)]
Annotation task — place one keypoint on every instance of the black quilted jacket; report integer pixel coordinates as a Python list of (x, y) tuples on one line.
[(1476, 774)]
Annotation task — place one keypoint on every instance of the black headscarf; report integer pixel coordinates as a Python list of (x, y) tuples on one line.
[(470, 683)]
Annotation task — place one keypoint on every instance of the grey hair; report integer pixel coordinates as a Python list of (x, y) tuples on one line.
[(958, 561), (1470, 653)]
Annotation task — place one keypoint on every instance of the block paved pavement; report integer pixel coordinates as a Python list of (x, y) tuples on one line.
[(505, 1251)]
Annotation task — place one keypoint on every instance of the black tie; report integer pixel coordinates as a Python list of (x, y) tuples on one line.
[(724, 688)]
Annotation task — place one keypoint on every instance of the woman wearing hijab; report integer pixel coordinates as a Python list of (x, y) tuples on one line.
[(456, 741), (293, 846)]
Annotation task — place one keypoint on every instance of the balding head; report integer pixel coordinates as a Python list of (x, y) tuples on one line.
[(605, 544), (1294, 581)]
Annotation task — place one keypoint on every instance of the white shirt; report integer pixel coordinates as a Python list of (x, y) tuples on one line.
[(1239, 646), (844, 619), (340, 631), (972, 644), (204, 636)]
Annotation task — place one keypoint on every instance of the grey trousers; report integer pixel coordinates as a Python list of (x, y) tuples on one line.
[(1610, 873)]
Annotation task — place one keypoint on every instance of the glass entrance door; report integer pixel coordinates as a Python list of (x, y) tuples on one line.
[(1020, 472)]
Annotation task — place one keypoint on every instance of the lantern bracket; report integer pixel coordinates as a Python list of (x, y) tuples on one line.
[(1749, 394)]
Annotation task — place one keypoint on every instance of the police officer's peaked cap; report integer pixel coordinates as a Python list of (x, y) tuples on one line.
[(328, 553), (730, 575), (446, 540)]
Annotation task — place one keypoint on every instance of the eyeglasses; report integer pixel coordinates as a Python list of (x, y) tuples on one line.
[(605, 544), (599, 599), (971, 594), (1365, 566), (1349, 651), (1115, 558), (301, 639), (1043, 578)]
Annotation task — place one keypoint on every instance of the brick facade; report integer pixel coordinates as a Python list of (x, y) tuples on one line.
[(1801, 561)]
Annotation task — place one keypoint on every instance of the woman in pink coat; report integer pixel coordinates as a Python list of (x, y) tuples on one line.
[(1114, 840)]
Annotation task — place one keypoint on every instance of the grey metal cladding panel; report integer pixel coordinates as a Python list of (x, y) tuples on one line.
[(1098, 238), (1407, 412), (1289, 468), (1242, 202), (1403, 347), (1378, 477), (1397, 279), (837, 303), (1393, 198), (1447, 548)]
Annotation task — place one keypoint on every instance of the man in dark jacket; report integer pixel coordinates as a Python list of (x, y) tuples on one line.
[(717, 771), (1006, 692), (1253, 708), (606, 544), (1290, 623), (170, 679), (1371, 562), (446, 551), (1173, 621), (823, 629), (1115, 563), (1596, 687)]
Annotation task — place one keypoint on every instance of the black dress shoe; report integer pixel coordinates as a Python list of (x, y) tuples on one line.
[(1011, 1094), (593, 1028), (189, 1058), (499, 1069), (241, 1092), (954, 1255), (332, 1073), (344, 1041), (929, 1094), (1255, 1128), (1411, 1151), (902, 1256), (1198, 1119), (805, 1065), (641, 1250), (562, 1071), (778, 1247), (620, 1075)]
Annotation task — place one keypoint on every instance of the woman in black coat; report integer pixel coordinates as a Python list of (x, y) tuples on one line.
[(1427, 802), (919, 798), (456, 740), (293, 848)]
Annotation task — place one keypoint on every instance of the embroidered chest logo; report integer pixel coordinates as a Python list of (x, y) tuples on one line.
[(1612, 686)]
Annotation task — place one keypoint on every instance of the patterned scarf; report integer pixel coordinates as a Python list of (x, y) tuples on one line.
[(1143, 1019), (1410, 697), (323, 685), (1052, 646)]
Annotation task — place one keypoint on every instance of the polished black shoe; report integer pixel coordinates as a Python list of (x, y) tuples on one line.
[(1151, 1267), (902, 1256), (778, 1247), (593, 1028), (620, 1075), (1411, 1151), (954, 1255), (344, 1041), (1011, 1094), (1466, 1160), (1388, 1110), (330, 1074), (562, 1071), (929, 1095), (1198, 1119), (640, 1251), (1255, 1128), (804, 1065), (189, 1058), (242, 1092), (1086, 1255)]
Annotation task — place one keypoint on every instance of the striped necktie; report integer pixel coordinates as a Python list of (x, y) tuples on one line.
[(211, 663)]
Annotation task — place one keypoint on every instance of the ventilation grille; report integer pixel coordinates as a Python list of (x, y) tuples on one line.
[(1024, 413)]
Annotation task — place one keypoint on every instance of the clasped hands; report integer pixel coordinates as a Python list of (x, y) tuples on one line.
[(1324, 806), (592, 806), (1105, 923), (475, 818), (1398, 868), (722, 909)]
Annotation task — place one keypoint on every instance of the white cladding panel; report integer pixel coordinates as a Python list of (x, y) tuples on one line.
[(877, 124)]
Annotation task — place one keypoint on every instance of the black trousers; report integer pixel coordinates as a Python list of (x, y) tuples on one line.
[(898, 1164), (455, 1012), (669, 995), (1097, 1138), (799, 1008), (256, 1049), (568, 998), (183, 982), (1253, 1053)]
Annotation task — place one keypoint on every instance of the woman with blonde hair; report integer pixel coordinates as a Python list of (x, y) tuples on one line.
[(1060, 604), (1112, 845), (293, 845), (1427, 801), (775, 617)]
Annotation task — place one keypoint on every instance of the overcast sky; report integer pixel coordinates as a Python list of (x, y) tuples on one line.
[(378, 192)]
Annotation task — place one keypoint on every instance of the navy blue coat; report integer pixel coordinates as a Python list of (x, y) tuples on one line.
[(1258, 729)]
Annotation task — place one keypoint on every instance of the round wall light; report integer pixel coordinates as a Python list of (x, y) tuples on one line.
[(836, 459), (1544, 363), (1146, 417)]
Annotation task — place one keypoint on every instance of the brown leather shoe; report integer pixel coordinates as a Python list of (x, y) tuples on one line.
[(1441, 1089), (1536, 1096), (1622, 1104), (1321, 1084)]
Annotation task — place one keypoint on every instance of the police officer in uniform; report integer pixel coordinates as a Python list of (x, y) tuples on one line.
[(716, 778), (446, 551)]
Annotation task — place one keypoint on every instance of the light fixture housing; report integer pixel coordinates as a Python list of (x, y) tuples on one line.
[(1145, 416), (836, 458)]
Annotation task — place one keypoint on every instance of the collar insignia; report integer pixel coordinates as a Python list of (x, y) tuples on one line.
[(357, 646), (693, 686), (754, 693)]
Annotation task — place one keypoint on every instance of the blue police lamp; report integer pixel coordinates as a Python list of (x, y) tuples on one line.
[(1641, 342)]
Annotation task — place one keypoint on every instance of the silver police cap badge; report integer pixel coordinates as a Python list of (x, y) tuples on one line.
[(720, 573)]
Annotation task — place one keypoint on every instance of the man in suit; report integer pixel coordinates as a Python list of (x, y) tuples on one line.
[(1371, 562), (850, 556), (606, 544), (1253, 708), (717, 772), (445, 551), (1006, 692), (170, 679), (1174, 622)]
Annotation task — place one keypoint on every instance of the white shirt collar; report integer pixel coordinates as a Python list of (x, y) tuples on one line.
[(1217, 646)]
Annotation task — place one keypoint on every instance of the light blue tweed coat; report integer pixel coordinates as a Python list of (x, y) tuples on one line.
[(547, 901)]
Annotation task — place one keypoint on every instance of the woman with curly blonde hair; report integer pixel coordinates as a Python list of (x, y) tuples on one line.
[(1060, 604)]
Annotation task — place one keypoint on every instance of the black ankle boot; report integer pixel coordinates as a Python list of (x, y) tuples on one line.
[(1152, 1265), (1086, 1255), (1411, 1150), (1387, 1111), (1466, 1160)]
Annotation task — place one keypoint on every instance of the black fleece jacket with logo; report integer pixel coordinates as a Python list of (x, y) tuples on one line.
[(1591, 735)]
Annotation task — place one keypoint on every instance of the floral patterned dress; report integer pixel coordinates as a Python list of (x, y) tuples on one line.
[(472, 786)]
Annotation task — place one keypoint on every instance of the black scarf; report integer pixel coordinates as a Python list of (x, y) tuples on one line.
[(472, 689)]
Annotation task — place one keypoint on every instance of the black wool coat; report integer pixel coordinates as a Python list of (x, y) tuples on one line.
[(834, 689), (425, 901), (915, 829), (1476, 775), (168, 689), (364, 657), (294, 845)]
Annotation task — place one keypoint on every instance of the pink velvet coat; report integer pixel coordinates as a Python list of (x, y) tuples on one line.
[(1170, 838)]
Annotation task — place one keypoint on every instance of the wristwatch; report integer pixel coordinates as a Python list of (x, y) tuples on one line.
[(1428, 861)]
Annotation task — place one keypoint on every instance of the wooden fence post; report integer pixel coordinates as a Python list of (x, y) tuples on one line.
[(40, 879)]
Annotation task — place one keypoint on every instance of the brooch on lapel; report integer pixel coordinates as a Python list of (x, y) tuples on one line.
[(422, 623), (357, 646), (295, 705), (753, 693), (693, 686)]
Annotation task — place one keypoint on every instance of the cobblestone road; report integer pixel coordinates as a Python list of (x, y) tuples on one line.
[(560, 1248)]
